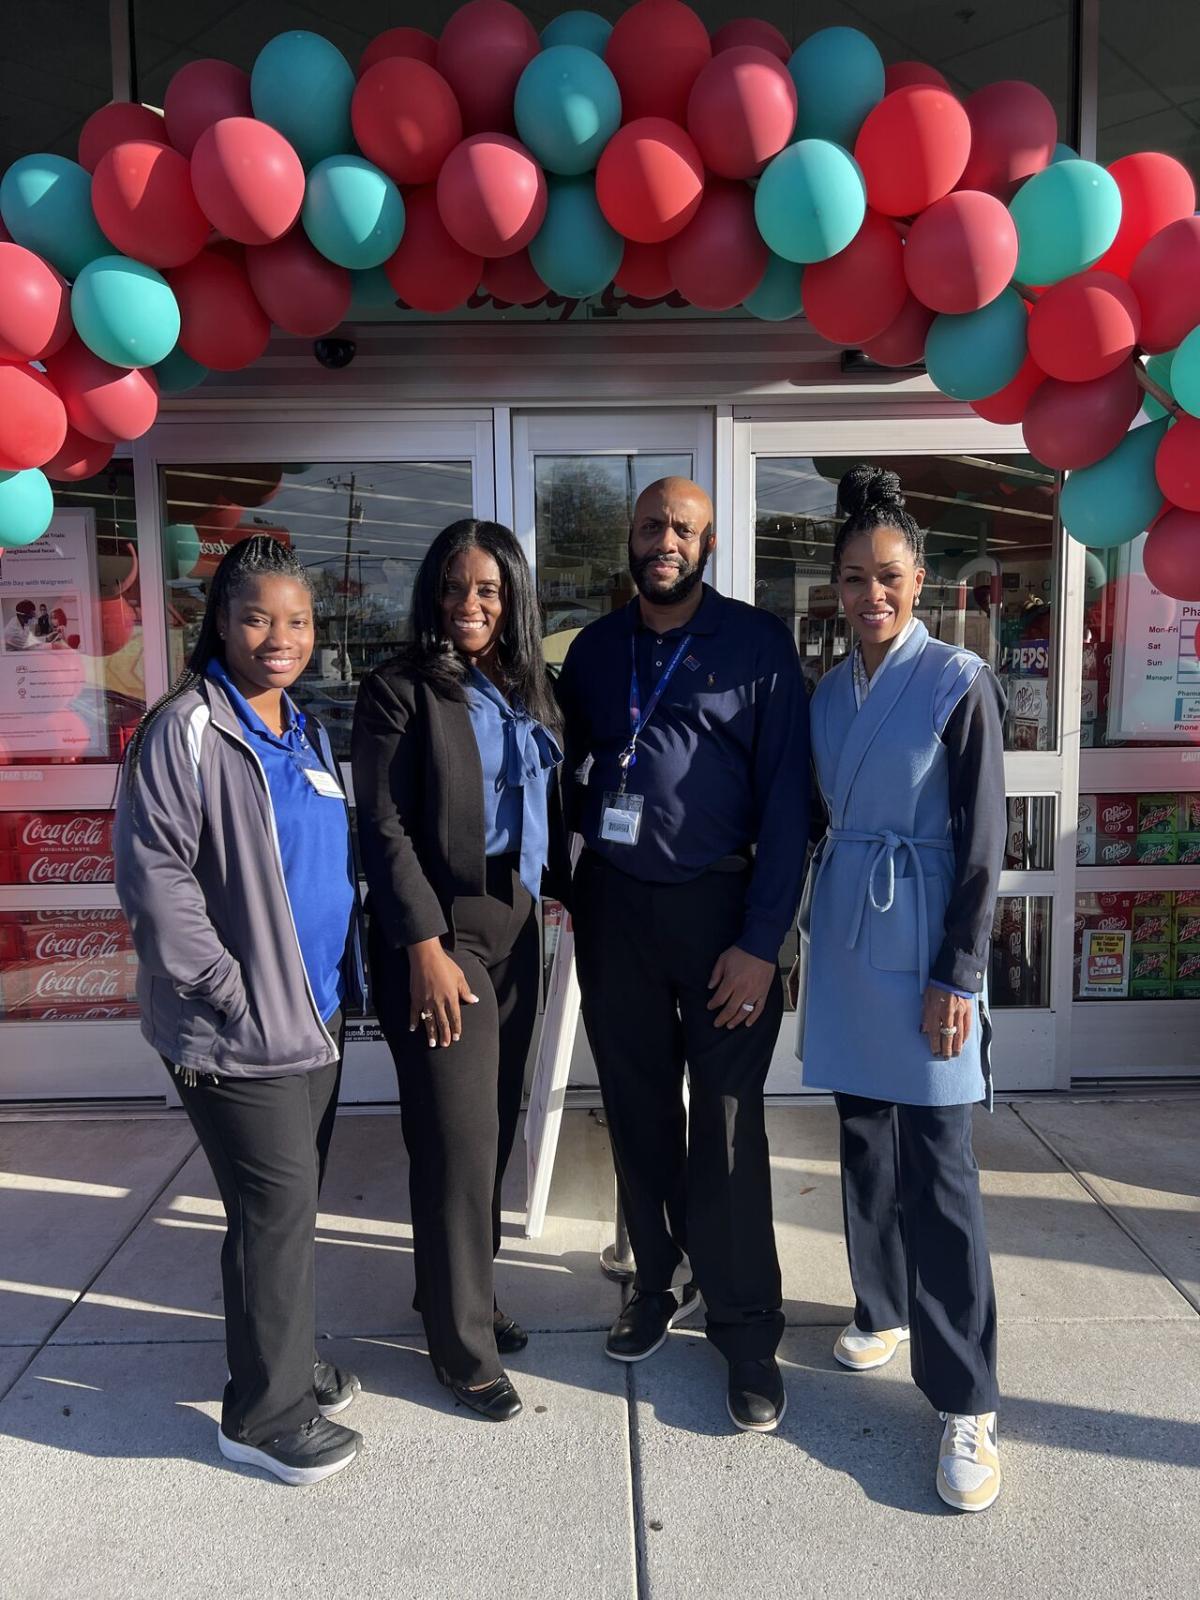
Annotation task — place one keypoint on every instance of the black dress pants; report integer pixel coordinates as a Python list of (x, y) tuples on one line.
[(699, 1183), (917, 1243), (459, 1109), (267, 1142)]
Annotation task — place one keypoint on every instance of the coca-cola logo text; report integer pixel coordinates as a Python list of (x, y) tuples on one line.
[(65, 869), (65, 833), (88, 983), (92, 946)]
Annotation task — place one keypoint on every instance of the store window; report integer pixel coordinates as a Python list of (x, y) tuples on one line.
[(1149, 79), (989, 524), (360, 532), (1143, 944), (72, 679)]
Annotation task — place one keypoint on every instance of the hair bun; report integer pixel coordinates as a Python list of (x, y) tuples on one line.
[(865, 487)]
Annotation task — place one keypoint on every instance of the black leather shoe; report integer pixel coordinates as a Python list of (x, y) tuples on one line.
[(756, 1398), (510, 1335), (497, 1401), (334, 1387), (645, 1321)]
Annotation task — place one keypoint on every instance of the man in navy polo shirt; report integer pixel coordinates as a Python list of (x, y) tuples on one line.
[(687, 776)]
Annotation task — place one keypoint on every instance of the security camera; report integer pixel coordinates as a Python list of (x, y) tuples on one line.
[(335, 354)]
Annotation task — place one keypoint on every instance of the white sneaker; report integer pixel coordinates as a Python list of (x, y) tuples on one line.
[(861, 1351), (968, 1471)]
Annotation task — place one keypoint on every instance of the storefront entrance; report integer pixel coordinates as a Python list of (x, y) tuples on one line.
[(361, 496)]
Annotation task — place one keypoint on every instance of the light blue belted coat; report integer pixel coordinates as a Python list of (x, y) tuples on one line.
[(890, 868)]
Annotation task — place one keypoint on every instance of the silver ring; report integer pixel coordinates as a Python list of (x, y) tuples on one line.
[(948, 1033), (427, 1016), (749, 1005)]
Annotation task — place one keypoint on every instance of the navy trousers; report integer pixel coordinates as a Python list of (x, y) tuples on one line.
[(917, 1243)]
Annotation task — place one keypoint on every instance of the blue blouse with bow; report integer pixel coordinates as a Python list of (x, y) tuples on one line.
[(518, 757)]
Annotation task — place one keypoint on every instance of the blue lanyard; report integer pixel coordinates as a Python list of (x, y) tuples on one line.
[(637, 721)]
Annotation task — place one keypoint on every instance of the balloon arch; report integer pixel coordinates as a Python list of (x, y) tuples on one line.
[(725, 170)]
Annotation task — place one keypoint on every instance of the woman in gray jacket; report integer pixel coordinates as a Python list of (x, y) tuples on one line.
[(234, 868)]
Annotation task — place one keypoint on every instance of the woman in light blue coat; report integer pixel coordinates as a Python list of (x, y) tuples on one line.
[(908, 748)]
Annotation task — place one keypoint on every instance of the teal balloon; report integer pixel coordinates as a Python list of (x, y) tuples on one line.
[(1185, 374), (125, 312), (181, 547), (1159, 368), (26, 506), (567, 107), (970, 357), (839, 78), (302, 85), (582, 28), (778, 294), (1063, 152), (1119, 497), (372, 298), (810, 201), (1067, 215), (46, 203), (352, 212), (575, 252), (177, 372)]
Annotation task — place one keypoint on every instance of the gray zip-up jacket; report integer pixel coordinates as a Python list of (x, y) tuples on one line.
[(221, 981)]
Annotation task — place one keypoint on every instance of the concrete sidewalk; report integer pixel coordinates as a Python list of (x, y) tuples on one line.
[(616, 1482)]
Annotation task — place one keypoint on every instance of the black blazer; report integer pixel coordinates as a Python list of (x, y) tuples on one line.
[(418, 793)]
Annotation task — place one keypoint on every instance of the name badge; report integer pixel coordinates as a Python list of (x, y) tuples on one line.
[(621, 818), (324, 783)]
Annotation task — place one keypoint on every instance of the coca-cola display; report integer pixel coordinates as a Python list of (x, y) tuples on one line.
[(56, 847), (73, 965), (1020, 970)]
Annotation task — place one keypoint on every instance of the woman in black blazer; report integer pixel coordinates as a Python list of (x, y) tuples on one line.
[(455, 750)]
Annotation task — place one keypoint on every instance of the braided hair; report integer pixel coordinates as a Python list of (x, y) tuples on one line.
[(869, 498), (259, 556)]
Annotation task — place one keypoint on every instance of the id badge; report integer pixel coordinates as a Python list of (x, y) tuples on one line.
[(324, 783), (621, 818)]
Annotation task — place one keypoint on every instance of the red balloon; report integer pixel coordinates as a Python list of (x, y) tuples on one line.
[(720, 257), (1084, 326), (35, 306), (400, 43), (1014, 130), (1008, 405), (1069, 425), (751, 30), (78, 457), (912, 149), (200, 94), (484, 48), (33, 423), (656, 52), (962, 252), (857, 294), (248, 180), (492, 195), (650, 179), (143, 199), (297, 287), (512, 281), (429, 271), (1171, 554), (107, 403), (741, 111), (1165, 276), (406, 119), (1177, 464), (645, 272), (902, 342), (222, 325), (903, 74), (1156, 190), (118, 123)]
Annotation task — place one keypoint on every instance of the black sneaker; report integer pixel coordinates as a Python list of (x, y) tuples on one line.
[(645, 1321), (313, 1451), (333, 1387), (756, 1398)]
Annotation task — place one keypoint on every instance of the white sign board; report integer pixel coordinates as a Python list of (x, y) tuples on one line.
[(1155, 671)]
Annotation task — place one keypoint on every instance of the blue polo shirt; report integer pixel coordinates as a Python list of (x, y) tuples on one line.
[(722, 765), (314, 842), (518, 757)]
